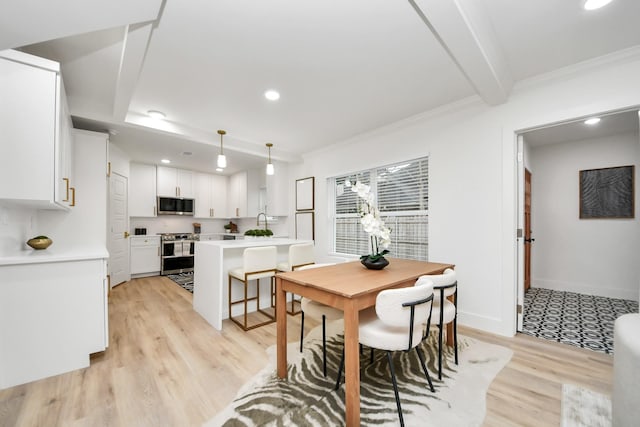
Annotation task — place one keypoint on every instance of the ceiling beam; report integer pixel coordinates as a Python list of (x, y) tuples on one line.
[(27, 22), (134, 48), (466, 34)]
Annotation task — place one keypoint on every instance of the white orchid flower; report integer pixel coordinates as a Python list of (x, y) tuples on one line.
[(370, 219)]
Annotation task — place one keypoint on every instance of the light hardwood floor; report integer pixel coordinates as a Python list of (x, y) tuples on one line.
[(166, 366)]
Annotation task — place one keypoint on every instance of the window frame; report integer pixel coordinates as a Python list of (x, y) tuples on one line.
[(373, 182)]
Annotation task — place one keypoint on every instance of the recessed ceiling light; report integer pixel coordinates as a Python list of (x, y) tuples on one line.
[(165, 161), (154, 114), (592, 121), (219, 169), (595, 4), (272, 95)]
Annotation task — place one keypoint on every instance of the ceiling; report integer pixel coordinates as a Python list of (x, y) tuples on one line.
[(609, 124), (341, 67)]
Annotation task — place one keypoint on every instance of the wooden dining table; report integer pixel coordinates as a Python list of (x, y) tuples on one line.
[(350, 287)]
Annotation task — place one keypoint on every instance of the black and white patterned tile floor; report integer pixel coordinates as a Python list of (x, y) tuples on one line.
[(582, 320)]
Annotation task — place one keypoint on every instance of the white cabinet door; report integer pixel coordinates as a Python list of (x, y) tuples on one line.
[(167, 182), (142, 190), (66, 185), (145, 254), (237, 206), (184, 182), (203, 195), (219, 196), (33, 126), (56, 317), (174, 182)]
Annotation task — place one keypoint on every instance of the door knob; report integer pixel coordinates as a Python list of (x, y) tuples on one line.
[(529, 240), (126, 234)]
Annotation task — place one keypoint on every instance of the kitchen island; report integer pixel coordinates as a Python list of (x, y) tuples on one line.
[(213, 260)]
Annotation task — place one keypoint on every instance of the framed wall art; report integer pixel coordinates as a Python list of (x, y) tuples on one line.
[(305, 188), (305, 227), (607, 193)]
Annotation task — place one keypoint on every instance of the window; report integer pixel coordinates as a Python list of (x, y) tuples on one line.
[(402, 197)]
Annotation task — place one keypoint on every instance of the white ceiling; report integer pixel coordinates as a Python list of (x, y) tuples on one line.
[(342, 67), (610, 124)]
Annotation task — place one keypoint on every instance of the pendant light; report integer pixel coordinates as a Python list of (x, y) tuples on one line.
[(270, 168), (222, 159)]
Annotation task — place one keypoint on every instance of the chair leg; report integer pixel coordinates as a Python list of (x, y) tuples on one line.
[(371, 356), (340, 368), (324, 345), (395, 388), (424, 368), (301, 330), (440, 351), (246, 302), (455, 337)]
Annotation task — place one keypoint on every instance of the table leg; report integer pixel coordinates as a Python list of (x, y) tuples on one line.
[(352, 365), (281, 319)]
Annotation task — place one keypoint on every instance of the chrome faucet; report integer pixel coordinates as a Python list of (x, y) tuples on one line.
[(265, 220)]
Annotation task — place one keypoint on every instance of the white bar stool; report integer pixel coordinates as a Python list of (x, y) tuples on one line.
[(258, 263), (300, 255)]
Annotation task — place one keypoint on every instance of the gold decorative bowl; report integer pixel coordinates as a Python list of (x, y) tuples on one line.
[(39, 243)]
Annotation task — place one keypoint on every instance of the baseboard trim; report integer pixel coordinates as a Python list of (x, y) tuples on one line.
[(583, 288)]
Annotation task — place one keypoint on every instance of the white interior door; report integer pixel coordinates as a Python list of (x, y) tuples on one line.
[(119, 270)]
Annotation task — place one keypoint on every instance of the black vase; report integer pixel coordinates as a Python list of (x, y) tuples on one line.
[(377, 264)]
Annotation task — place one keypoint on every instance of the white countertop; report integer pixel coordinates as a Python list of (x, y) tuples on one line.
[(248, 243), (53, 254)]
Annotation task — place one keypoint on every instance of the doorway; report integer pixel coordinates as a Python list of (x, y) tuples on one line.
[(119, 271), (581, 275)]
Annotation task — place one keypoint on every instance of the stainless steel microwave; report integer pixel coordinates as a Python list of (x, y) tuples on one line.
[(176, 206)]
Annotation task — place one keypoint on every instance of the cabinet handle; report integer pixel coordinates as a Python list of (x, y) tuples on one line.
[(237, 211), (158, 250), (154, 211), (73, 196), (108, 168), (66, 180), (213, 212)]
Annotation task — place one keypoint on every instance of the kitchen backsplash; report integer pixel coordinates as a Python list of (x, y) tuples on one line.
[(17, 225), (170, 224)]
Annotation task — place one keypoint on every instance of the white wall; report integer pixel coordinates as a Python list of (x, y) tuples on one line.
[(17, 225), (594, 256), (472, 178)]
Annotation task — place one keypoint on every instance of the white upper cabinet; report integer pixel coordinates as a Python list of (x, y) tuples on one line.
[(36, 141), (142, 190), (210, 195), (175, 182), (237, 195)]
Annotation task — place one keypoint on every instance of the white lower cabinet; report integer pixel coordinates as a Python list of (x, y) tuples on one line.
[(53, 315), (145, 255)]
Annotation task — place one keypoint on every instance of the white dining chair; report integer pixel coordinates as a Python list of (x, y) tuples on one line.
[(320, 312), (395, 324), (300, 255), (257, 263), (445, 311)]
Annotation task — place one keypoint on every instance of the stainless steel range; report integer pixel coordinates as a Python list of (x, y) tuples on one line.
[(178, 251)]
